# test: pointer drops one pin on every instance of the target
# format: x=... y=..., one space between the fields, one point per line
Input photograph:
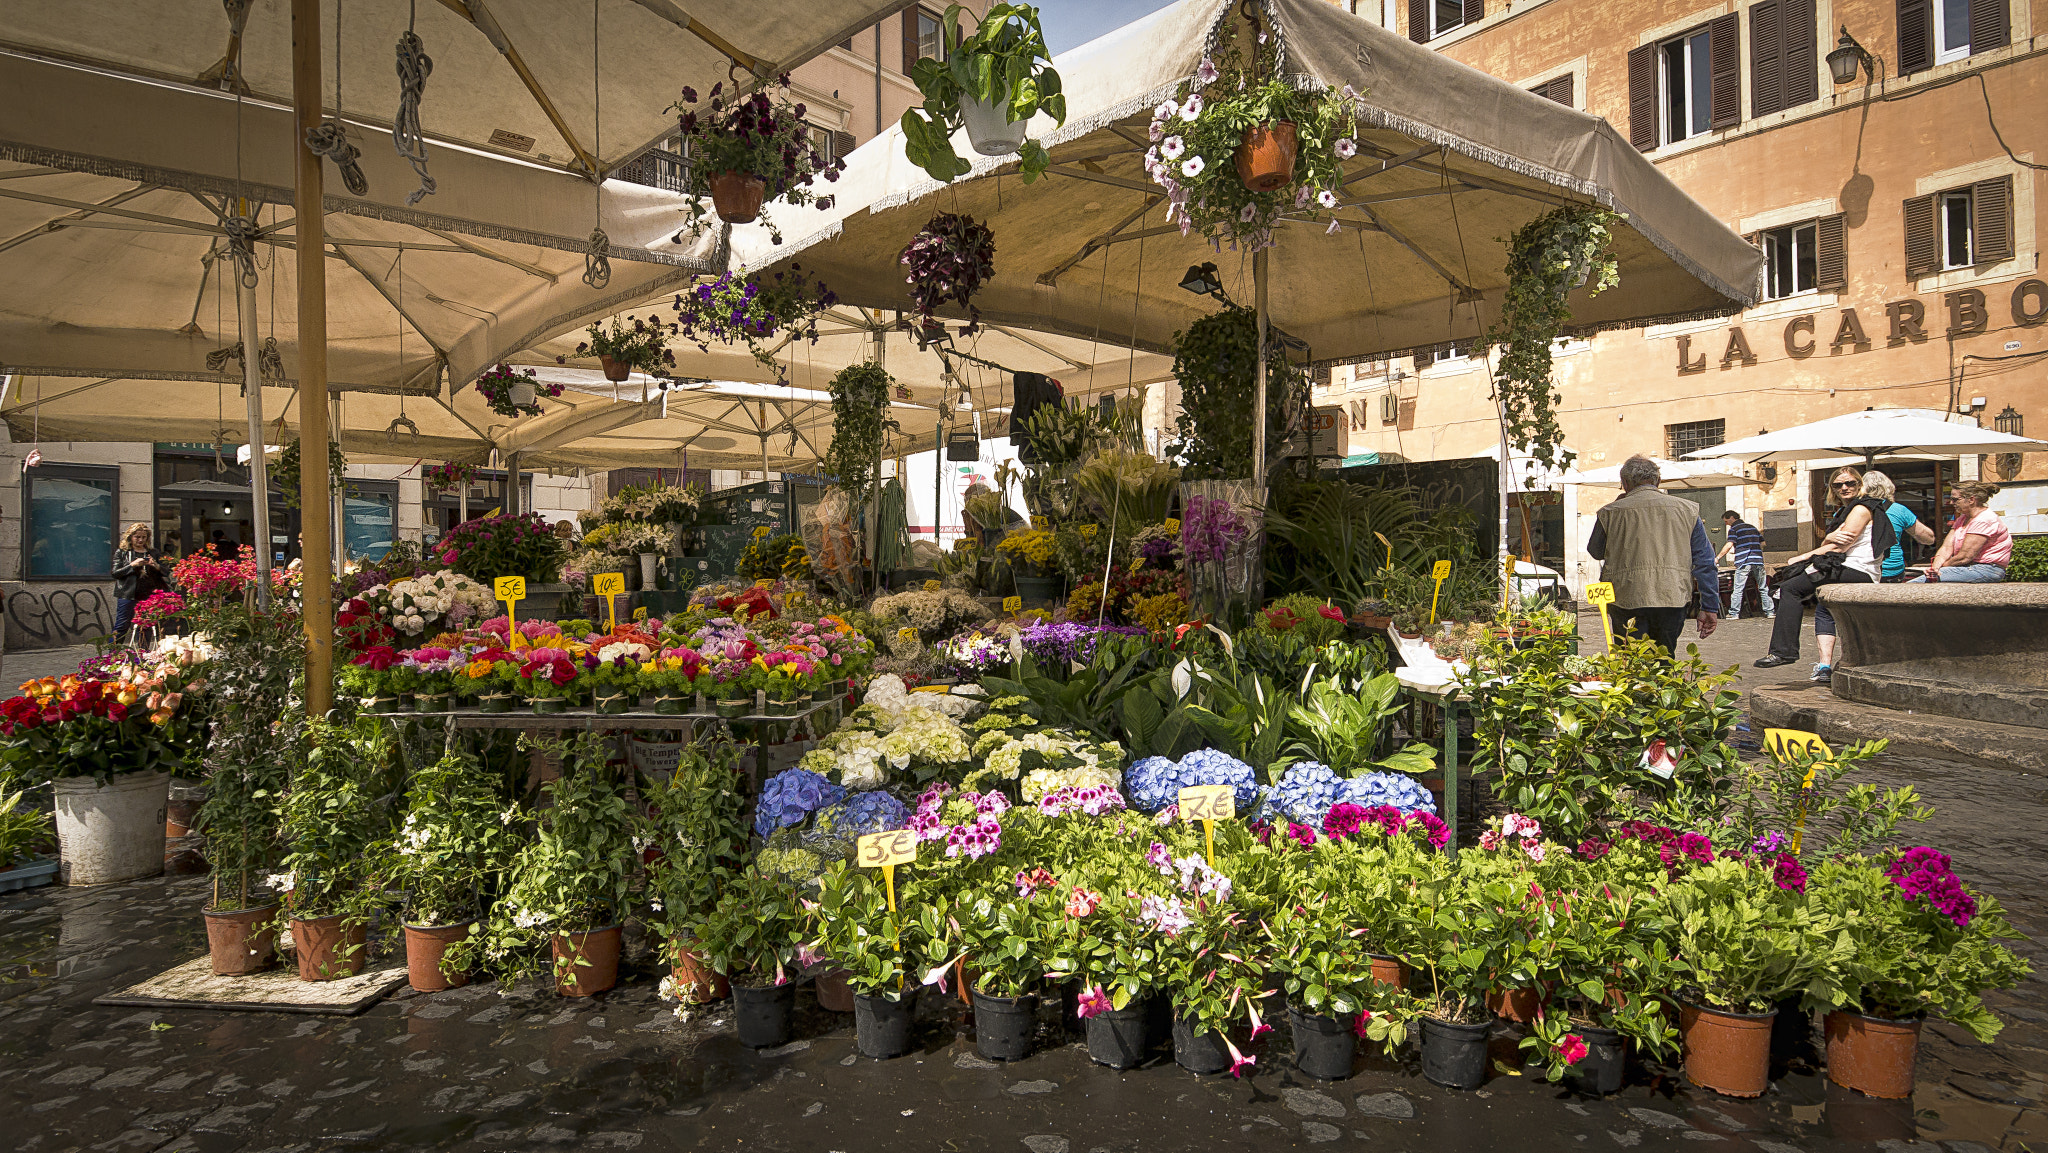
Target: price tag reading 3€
x=1207 y=803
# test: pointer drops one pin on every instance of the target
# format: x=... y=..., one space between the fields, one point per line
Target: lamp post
x=1848 y=58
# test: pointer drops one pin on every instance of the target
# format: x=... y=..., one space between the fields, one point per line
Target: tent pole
x=317 y=592
x=259 y=479
x=511 y=505
x=1259 y=376
x=1507 y=476
x=938 y=475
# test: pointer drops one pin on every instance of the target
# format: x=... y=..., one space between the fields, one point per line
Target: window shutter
x=1642 y=97
x=842 y=145
x=1916 y=36
x=1418 y=21
x=1991 y=215
x=1558 y=89
x=1921 y=255
x=1475 y=11
x=1830 y=262
x=909 y=39
x=1766 y=60
x=1990 y=24
x=1724 y=60
x=1799 y=33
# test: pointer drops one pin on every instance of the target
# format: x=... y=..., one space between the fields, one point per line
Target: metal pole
x=763 y=407
x=317 y=591
x=511 y=505
x=259 y=479
x=1259 y=374
x=337 y=509
x=938 y=479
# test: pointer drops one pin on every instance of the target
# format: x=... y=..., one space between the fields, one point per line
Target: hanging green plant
x=860 y=415
x=284 y=471
x=991 y=83
x=1215 y=360
x=949 y=260
x=1547 y=258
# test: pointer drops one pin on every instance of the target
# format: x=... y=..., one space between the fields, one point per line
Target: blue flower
x=1306 y=792
x=1216 y=767
x=790 y=796
x=1395 y=789
x=1153 y=783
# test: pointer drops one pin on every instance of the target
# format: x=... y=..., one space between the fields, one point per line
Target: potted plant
x=449 y=475
x=1033 y=553
x=621 y=349
x=23 y=831
x=521 y=544
x=1004 y=934
x=334 y=820
x=762 y=312
x=991 y=83
x=675 y=678
x=882 y=952
x=1738 y=937
x=510 y=392
x=1918 y=945
x=750 y=938
x=949 y=259
x=1458 y=935
x=1603 y=971
x=1547 y=259
x=694 y=819
x=860 y=415
x=615 y=682
x=458 y=838
x=1326 y=972
x=750 y=147
x=1205 y=946
x=434 y=672
x=486 y=679
x=545 y=679
x=284 y=473
x=1112 y=955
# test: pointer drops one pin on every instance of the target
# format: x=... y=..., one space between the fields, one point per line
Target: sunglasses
x=1848 y=484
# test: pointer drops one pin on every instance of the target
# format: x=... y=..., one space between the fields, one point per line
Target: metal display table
x=1446 y=695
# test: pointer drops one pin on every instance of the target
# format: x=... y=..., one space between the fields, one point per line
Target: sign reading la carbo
x=1905 y=322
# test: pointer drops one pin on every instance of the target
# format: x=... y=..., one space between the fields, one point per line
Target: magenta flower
x=1094 y=1002
x=1361 y=1023
x=1573 y=1048
x=1789 y=874
x=1238 y=1061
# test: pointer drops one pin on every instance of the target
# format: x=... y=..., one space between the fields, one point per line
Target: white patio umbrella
x=1686 y=474
x=1870 y=434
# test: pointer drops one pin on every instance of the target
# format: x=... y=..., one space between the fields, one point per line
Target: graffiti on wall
x=47 y=616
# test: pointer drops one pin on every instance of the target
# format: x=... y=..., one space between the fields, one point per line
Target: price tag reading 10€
x=608 y=584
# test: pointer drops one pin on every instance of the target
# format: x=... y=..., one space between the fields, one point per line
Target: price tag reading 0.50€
x=1600 y=593
x=892 y=848
x=1207 y=803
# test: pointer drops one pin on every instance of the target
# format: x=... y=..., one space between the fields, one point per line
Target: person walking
x=1859 y=537
x=1879 y=487
x=138 y=575
x=1655 y=552
x=1978 y=548
x=1746 y=544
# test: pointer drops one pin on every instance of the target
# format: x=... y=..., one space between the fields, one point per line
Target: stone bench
x=1976 y=652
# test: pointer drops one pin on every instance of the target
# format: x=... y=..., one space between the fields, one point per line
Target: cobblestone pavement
x=30 y=664
x=481 y=1069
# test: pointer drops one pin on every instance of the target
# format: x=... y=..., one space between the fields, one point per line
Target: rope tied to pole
x=597 y=264
x=330 y=139
x=414 y=66
x=242 y=232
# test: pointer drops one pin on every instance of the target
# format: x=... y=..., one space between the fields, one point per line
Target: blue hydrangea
x=1374 y=789
x=1216 y=767
x=1152 y=783
x=873 y=812
x=790 y=796
x=1306 y=792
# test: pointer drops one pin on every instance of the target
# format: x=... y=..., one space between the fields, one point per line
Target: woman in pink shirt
x=1979 y=546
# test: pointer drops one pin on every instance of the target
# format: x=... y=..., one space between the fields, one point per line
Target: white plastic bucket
x=989 y=131
x=114 y=832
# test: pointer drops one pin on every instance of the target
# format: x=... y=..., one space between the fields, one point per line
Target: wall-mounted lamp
x=1848 y=58
x=2010 y=422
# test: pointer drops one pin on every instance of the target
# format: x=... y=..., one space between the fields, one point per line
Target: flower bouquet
x=545 y=679
x=674 y=677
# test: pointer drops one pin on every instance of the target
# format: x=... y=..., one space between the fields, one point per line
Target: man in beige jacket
x=1655 y=553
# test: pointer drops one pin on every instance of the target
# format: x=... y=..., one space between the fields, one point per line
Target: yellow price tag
x=1600 y=594
x=607 y=584
x=932 y=689
x=1785 y=744
x=932 y=586
x=1088 y=531
x=509 y=588
x=1040 y=522
x=892 y=848
x=765 y=583
x=906 y=633
x=1437 y=572
x=1013 y=604
x=1208 y=804
x=1440 y=570
x=760 y=531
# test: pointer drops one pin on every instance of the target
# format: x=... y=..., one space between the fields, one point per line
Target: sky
x=1072 y=23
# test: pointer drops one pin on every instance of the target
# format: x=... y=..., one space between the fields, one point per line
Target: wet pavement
x=477 y=1069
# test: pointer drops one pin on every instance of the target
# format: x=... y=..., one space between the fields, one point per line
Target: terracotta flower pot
x=235 y=943
x=1389 y=971
x=425 y=945
x=834 y=994
x=327 y=949
x=587 y=964
x=696 y=983
x=1872 y=1055
x=614 y=369
x=1265 y=160
x=737 y=196
x=1729 y=1053
x=1517 y=1005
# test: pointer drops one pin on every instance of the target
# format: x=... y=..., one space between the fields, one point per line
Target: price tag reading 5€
x=1207 y=803
x=509 y=588
x=893 y=848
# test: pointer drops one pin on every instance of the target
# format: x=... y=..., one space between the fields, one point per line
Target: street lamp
x=1847 y=58
x=1201 y=279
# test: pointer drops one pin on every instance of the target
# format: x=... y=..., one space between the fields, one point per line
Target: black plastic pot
x=1004 y=1026
x=1323 y=1046
x=881 y=1027
x=1198 y=1052
x=1791 y=1033
x=762 y=1013
x=1454 y=1056
x=1605 y=1060
x=1119 y=1037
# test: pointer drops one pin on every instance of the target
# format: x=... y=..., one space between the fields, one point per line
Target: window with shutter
x=1799 y=32
x=910 y=17
x=1418 y=21
x=1990 y=24
x=1922 y=256
x=1558 y=89
x=842 y=145
x=1725 y=58
x=1830 y=254
x=1766 y=60
x=1642 y=97
x=1916 y=36
x=1475 y=11
x=1991 y=221
x=1791 y=260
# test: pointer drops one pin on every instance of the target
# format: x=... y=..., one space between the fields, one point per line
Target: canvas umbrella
x=1686 y=474
x=1870 y=434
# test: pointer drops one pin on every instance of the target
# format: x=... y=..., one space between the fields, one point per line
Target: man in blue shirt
x=1747 y=545
x=1657 y=556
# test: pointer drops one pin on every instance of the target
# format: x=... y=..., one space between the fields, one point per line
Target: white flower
x=505 y=818
x=529 y=919
x=1167 y=110
x=280 y=882
x=1326 y=198
x=1156 y=131
x=1250 y=210
x=1192 y=108
x=1206 y=72
x=1192 y=166
x=1301 y=196
x=1345 y=148
x=1350 y=93
x=1173 y=148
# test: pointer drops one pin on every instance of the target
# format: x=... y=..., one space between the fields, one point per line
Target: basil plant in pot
x=750 y=937
x=459 y=836
x=991 y=83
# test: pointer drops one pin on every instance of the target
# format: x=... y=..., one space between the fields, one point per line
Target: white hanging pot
x=989 y=130
x=522 y=394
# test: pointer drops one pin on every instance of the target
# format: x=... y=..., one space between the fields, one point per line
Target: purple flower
x=1789 y=874
x=977 y=840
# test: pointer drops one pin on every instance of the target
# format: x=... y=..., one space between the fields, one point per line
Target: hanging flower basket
x=615 y=369
x=949 y=260
x=748 y=147
x=627 y=345
x=737 y=196
x=1265 y=161
x=447 y=476
x=514 y=392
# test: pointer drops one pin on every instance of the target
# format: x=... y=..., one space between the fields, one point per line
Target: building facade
x=1900 y=217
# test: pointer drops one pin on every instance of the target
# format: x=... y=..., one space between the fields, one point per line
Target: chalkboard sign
x=1472 y=482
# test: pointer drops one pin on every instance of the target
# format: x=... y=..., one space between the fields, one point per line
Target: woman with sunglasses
x=1859 y=537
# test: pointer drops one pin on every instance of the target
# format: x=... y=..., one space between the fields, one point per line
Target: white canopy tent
x=1871 y=434
x=1686 y=474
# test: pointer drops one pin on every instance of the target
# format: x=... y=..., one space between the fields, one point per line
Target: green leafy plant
x=1805 y=797
x=1738 y=941
x=860 y=415
x=455 y=843
x=256 y=680
x=1006 y=63
x=643 y=345
x=764 y=313
x=23 y=829
x=1547 y=258
x=751 y=934
x=1340 y=727
x=1128 y=489
x=337 y=819
x=694 y=818
x=2029 y=559
x=284 y=471
x=950 y=258
x=1214 y=360
x=520 y=544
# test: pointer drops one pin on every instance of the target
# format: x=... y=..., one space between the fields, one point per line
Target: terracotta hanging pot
x=1265 y=160
x=1872 y=1055
x=737 y=196
x=614 y=369
x=1729 y=1053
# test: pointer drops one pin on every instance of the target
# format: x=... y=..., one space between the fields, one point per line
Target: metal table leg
x=1450 y=717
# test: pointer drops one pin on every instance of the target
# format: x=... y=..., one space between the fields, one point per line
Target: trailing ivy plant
x=1547 y=258
x=1215 y=360
x=284 y=471
x=860 y=415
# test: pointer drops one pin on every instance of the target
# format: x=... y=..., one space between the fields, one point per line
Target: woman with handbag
x=1859 y=537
